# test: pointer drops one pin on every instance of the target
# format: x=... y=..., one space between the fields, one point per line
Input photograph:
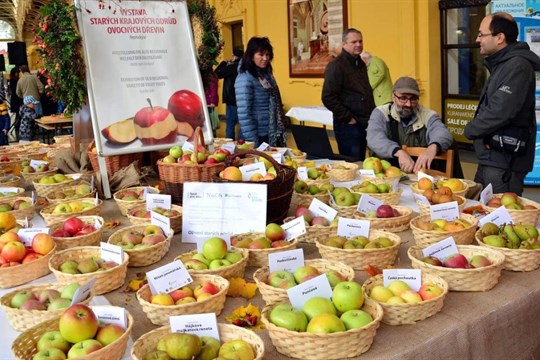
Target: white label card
x=158 y=200
x=395 y=186
x=36 y=163
x=486 y=194
x=278 y=157
x=442 y=249
x=196 y=324
x=498 y=217
x=413 y=277
x=249 y=170
x=318 y=208
x=168 y=277
x=33 y=198
x=368 y=204
x=421 y=198
x=302 y=173
x=369 y=173
x=96 y=200
x=5 y=190
x=83 y=292
x=448 y=211
x=264 y=146
x=230 y=147
x=164 y=222
x=27 y=235
x=187 y=147
x=316 y=287
x=353 y=227
x=145 y=193
x=92 y=183
x=111 y=315
x=111 y=252
x=294 y=228
x=200 y=243
x=424 y=175
x=289 y=260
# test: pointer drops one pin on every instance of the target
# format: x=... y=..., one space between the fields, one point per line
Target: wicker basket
x=279 y=190
x=29 y=178
x=318 y=182
x=159 y=314
x=424 y=208
x=259 y=257
x=35 y=155
x=21 y=274
x=54 y=150
x=393 y=224
x=400 y=314
x=106 y=281
x=148 y=342
x=380 y=179
x=21 y=214
x=50 y=218
x=174 y=175
x=391 y=198
x=479 y=279
x=338 y=345
x=526 y=216
x=176 y=221
x=92 y=239
x=124 y=205
x=22 y=320
x=51 y=198
x=24 y=346
x=233 y=270
x=358 y=259
x=15 y=181
x=347 y=174
x=272 y=294
x=62 y=139
x=144 y=256
x=515 y=259
x=115 y=162
x=424 y=238
x=20 y=192
x=11 y=167
x=313 y=232
x=414 y=188
x=344 y=211
x=45 y=190
x=306 y=199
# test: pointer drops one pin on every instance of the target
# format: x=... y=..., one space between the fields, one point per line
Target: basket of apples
x=81 y=264
x=236 y=343
x=426 y=231
x=11 y=181
x=50 y=184
x=73 y=192
x=77 y=333
x=393 y=218
x=381 y=190
x=343 y=171
x=384 y=171
x=273 y=285
x=316 y=226
x=439 y=196
x=458 y=186
x=20 y=207
x=77 y=231
x=128 y=198
x=304 y=193
x=474 y=268
x=140 y=216
x=28 y=306
x=19 y=263
x=11 y=192
x=518 y=242
x=379 y=249
x=31 y=173
x=340 y=328
x=344 y=201
x=317 y=176
x=216 y=259
x=60 y=212
x=145 y=244
x=10 y=164
x=523 y=211
x=260 y=245
x=206 y=294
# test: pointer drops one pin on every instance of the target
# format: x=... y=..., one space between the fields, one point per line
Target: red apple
x=432 y=260
x=153 y=239
x=61 y=233
x=73 y=225
x=42 y=243
x=155 y=125
x=87 y=229
x=456 y=261
x=274 y=232
x=305 y=212
x=385 y=211
x=78 y=323
x=206 y=287
x=429 y=291
x=107 y=334
x=13 y=251
x=186 y=106
x=31 y=257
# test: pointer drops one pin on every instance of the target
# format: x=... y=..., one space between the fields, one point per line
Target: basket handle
x=197 y=139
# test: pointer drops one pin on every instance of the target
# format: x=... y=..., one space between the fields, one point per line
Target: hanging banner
x=144 y=84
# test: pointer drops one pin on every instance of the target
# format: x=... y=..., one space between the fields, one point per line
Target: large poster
x=145 y=89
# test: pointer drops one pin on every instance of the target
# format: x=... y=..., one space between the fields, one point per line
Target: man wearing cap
x=405 y=122
x=28 y=118
x=228 y=70
x=30 y=85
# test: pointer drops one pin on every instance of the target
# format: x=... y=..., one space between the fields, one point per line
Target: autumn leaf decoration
x=247 y=317
x=240 y=287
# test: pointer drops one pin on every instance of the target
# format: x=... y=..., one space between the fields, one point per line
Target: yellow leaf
x=235 y=286
x=249 y=290
x=112 y=224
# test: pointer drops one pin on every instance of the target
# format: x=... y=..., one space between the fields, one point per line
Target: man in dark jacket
x=228 y=70
x=506 y=110
x=347 y=93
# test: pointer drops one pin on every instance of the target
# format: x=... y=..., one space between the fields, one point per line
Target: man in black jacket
x=504 y=126
x=347 y=93
x=228 y=70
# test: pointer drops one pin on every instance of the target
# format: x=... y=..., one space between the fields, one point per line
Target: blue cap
x=30 y=99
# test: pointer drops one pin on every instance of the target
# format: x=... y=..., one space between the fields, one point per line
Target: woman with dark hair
x=260 y=110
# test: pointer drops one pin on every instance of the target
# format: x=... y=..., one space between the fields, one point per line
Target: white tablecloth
x=316 y=114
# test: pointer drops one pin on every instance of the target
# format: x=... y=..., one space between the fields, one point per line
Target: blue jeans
x=231 y=117
x=351 y=139
x=39 y=110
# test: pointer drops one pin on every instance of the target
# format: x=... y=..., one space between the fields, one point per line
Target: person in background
x=28 y=118
x=379 y=78
x=260 y=110
x=30 y=85
x=210 y=82
x=5 y=122
x=405 y=122
x=15 y=102
x=348 y=95
x=228 y=70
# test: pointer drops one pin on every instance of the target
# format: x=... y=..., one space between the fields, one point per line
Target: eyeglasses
x=481 y=35
x=404 y=99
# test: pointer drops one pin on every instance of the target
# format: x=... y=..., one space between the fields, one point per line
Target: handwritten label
x=448 y=211
x=111 y=315
x=164 y=222
x=302 y=173
x=442 y=249
x=83 y=291
x=316 y=287
x=27 y=235
x=368 y=204
x=294 y=228
x=196 y=324
x=318 y=208
x=353 y=227
x=486 y=194
x=249 y=170
x=168 y=277
x=413 y=277
x=289 y=260
x=158 y=200
x=369 y=173
x=498 y=217
x=111 y=252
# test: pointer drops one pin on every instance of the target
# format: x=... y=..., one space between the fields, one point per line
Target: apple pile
x=233 y=173
x=317 y=173
x=7 y=179
x=320 y=315
x=79 y=191
x=381 y=168
x=86 y=266
x=241 y=144
x=190 y=346
x=44 y=299
x=509 y=200
x=18 y=204
x=301 y=187
x=73 y=227
x=510 y=236
x=452 y=183
x=79 y=335
x=14 y=253
x=384 y=211
x=177 y=155
x=186 y=294
x=133 y=239
x=72 y=207
x=284 y=280
x=441 y=195
x=399 y=292
x=214 y=256
x=344 y=197
x=458 y=261
x=441 y=225
x=367 y=187
x=274 y=237
x=145 y=214
x=358 y=242
x=130 y=195
x=26 y=168
x=310 y=220
x=54 y=179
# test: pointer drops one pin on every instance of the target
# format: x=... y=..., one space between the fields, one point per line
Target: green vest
x=413 y=135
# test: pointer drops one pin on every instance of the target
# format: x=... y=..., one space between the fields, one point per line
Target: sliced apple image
x=184 y=128
x=155 y=125
x=121 y=132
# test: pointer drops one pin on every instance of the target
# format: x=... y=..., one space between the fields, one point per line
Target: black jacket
x=346 y=90
x=228 y=71
x=507 y=102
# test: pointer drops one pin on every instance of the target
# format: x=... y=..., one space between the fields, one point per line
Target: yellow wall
x=404 y=33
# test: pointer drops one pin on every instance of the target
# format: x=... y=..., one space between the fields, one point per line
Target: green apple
x=301 y=187
x=53 y=339
x=219 y=263
x=327 y=187
x=267 y=163
x=333 y=277
x=59 y=303
x=69 y=267
x=49 y=354
x=84 y=348
x=233 y=256
x=345 y=199
x=305 y=273
x=325 y=324
x=313 y=173
x=318 y=305
x=210 y=348
x=58 y=178
x=380 y=293
x=182 y=346
x=286 y=316
x=356 y=319
x=78 y=323
x=214 y=248
x=277 y=278
x=236 y=350
x=62 y=209
x=69 y=290
x=348 y=295
x=20 y=298
x=397 y=287
x=201 y=257
x=156 y=355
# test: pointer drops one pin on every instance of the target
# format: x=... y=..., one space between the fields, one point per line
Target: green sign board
x=457 y=114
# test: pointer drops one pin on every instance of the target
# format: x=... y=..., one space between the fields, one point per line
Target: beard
x=405 y=111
